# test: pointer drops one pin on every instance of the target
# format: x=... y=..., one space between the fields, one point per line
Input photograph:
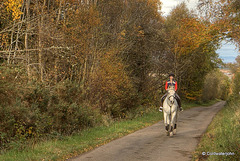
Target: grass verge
x=70 y=146
x=221 y=142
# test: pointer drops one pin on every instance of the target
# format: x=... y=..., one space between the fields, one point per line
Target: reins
x=169 y=100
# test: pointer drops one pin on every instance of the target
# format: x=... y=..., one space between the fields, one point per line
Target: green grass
x=222 y=135
x=188 y=105
x=67 y=147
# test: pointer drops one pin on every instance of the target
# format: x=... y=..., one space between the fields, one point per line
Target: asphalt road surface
x=152 y=143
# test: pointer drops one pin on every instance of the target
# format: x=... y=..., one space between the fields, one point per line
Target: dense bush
x=216 y=85
x=33 y=110
x=69 y=118
x=19 y=122
x=12 y=77
x=236 y=84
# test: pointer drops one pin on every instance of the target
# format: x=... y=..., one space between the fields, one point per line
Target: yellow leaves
x=94 y=17
x=191 y=34
x=140 y=33
x=110 y=77
x=23 y=131
x=153 y=3
x=30 y=130
x=4 y=37
x=137 y=32
x=14 y=6
x=190 y=96
x=123 y=33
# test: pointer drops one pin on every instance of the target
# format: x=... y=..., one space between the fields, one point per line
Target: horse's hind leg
x=166 y=122
x=175 y=126
x=176 y=120
x=171 y=126
x=175 y=129
x=174 y=123
x=171 y=131
x=167 y=129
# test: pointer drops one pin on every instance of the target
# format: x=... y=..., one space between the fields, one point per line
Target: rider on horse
x=171 y=82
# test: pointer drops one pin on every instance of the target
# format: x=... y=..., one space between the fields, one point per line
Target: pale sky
x=169 y=4
x=227 y=52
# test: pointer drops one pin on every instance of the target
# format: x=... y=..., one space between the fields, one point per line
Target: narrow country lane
x=152 y=144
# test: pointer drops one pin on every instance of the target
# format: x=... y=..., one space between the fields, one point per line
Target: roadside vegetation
x=223 y=134
x=64 y=147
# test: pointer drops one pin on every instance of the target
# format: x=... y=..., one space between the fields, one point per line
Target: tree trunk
x=56 y=57
x=40 y=27
x=175 y=62
x=26 y=37
x=84 y=74
x=11 y=44
x=18 y=32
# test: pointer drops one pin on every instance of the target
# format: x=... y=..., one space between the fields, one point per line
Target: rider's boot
x=181 y=109
x=161 y=104
x=160 y=108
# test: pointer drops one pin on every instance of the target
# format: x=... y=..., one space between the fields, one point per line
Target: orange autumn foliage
x=14 y=7
x=110 y=78
x=191 y=35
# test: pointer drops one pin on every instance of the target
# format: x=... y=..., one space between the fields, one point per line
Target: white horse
x=170 y=112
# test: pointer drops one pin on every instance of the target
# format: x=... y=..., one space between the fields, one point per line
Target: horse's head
x=171 y=94
x=171 y=90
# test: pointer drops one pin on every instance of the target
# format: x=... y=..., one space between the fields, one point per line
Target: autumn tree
x=146 y=37
x=235 y=69
x=191 y=50
x=216 y=85
x=225 y=15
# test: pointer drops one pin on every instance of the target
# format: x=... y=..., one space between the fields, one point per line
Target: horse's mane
x=171 y=88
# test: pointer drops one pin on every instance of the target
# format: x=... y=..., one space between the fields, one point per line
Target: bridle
x=172 y=95
x=170 y=101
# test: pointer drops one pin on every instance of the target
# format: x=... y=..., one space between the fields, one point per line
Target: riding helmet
x=171 y=74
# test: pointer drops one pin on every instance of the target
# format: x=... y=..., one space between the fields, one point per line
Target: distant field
x=227 y=72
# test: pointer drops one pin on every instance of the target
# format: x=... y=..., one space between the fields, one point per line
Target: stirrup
x=160 y=108
x=180 y=109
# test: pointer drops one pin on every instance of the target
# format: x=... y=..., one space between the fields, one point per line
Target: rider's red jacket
x=168 y=83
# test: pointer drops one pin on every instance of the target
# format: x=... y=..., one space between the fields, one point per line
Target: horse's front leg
x=166 y=119
x=166 y=122
x=173 y=118
x=174 y=122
